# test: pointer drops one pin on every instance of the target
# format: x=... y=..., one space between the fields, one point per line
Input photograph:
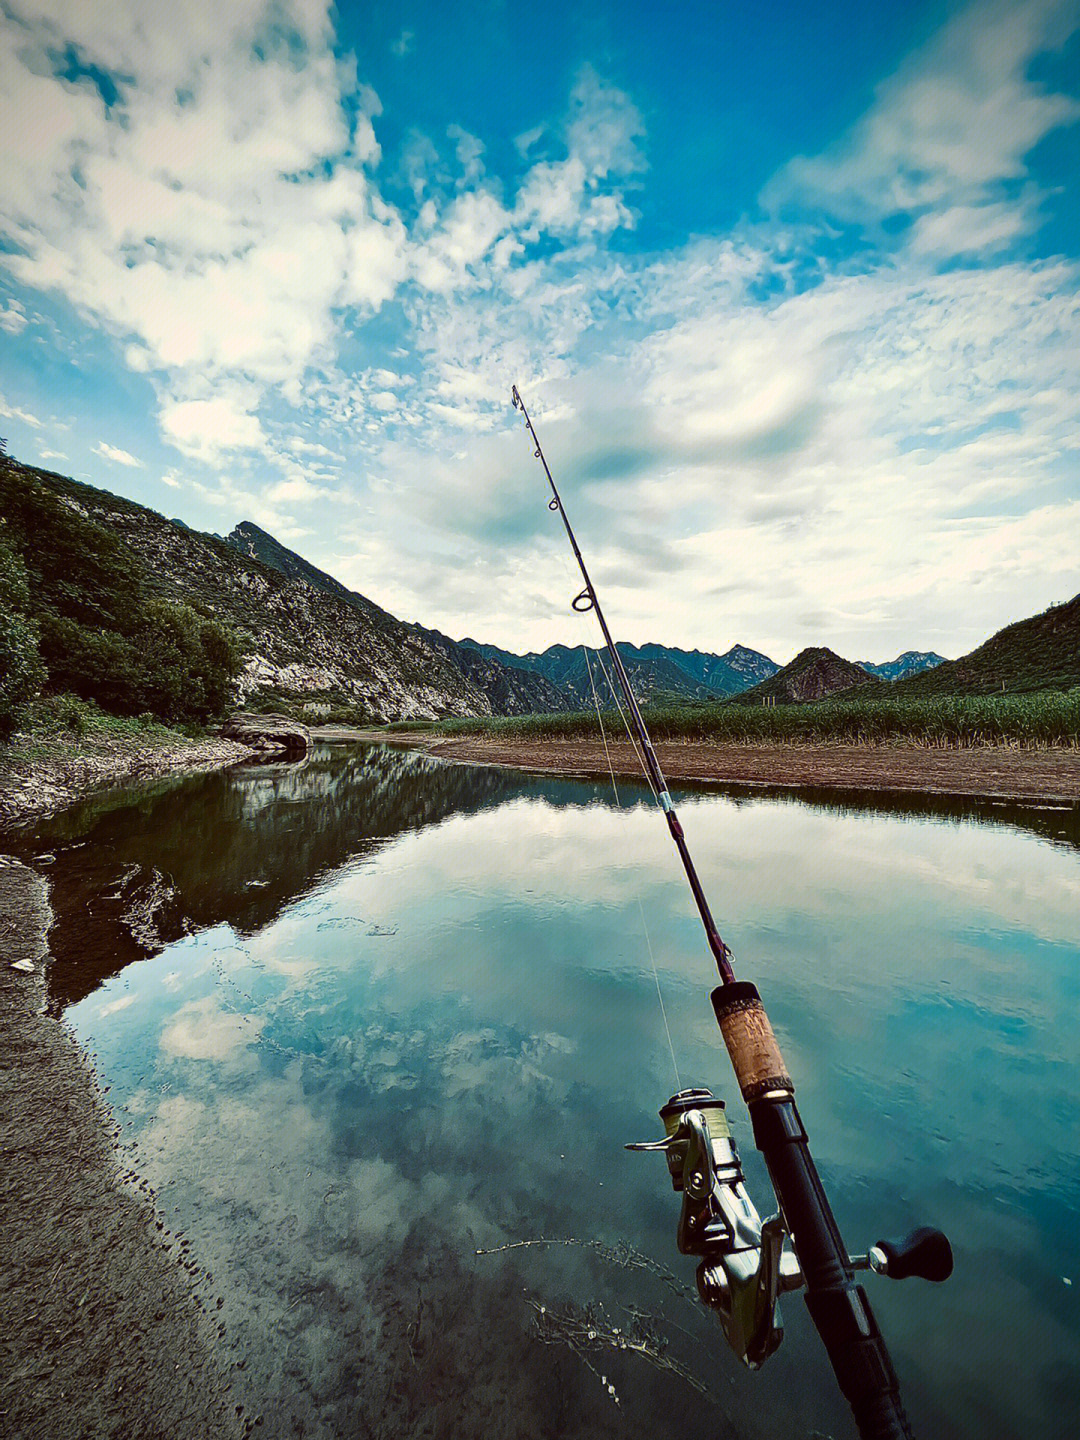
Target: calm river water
x=366 y=1018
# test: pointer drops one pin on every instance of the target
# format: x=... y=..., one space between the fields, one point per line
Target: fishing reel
x=745 y=1267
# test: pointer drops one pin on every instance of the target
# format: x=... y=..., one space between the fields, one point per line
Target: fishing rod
x=744 y=1266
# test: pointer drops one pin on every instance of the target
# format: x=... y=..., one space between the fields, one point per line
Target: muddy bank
x=986 y=772
x=102 y=1332
x=38 y=778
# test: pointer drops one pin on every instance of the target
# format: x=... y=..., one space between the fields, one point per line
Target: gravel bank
x=102 y=1334
x=31 y=788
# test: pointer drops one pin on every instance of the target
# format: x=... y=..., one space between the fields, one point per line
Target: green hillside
x=1040 y=653
x=79 y=615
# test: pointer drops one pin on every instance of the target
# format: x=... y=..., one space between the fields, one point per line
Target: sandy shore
x=988 y=772
x=102 y=1332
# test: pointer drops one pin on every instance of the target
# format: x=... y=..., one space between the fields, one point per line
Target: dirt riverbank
x=102 y=1332
x=988 y=772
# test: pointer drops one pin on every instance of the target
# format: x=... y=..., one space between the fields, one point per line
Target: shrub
x=72 y=713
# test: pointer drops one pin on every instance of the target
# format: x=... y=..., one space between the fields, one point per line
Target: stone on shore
x=269 y=734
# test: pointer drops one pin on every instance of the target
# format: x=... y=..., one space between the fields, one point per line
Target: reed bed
x=1034 y=720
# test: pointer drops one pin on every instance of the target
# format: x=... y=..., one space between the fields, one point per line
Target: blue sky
x=790 y=290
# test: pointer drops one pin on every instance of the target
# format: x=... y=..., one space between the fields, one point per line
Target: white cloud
x=210 y=428
x=604 y=128
x=15 y=412
x=949 y=130
x=219 y=216
x=203 y=1031
x=116 y=456
x=602 y=135
x=467 y=230
x=138 y=359
x=13 y=319
x=468 y=149
x=299 y=446
x=577 y=196
x=196 y=218
x=122 y=1003
x=51 y=455
x=969 y=229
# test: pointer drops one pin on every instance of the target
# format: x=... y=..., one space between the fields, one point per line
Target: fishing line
x=659 y=996
x=600 y=719
x=644 y=923
x=618 y=801
x=626 y=725
x=565 y=562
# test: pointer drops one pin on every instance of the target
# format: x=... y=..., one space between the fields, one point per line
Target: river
x=364 y=1018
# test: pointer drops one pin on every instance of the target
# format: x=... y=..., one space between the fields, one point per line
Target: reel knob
x=925 y=1252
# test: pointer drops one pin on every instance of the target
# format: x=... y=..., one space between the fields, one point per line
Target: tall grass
x=1040 y=718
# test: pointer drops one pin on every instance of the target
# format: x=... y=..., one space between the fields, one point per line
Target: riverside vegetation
x=1042 y=718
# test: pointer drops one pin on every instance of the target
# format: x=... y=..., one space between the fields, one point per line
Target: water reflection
x=397 y=1011
x=234 y=847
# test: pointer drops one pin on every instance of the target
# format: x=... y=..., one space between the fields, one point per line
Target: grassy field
x=1042 y=718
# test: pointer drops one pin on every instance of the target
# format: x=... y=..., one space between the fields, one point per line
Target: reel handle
x=925 y=1252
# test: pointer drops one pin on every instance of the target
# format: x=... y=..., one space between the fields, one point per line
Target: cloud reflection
x=341 y=1119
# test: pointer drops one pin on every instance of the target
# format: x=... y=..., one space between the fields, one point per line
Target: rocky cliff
x=302 y=643
x=509 y=690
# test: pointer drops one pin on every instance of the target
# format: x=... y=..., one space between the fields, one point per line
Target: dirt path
x=102 y=1333
x=991 y=772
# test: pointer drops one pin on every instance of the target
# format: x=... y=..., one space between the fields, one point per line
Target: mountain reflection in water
x=235 y=846
x=390 y=1012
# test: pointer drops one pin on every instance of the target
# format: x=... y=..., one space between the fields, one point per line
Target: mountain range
x=653 y=670
x=911 y=662
x=309 y=640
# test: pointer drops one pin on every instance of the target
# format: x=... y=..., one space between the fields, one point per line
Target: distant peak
x=248 y=527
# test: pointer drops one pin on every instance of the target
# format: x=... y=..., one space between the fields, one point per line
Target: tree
x=21 y=670
x=99 y=630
